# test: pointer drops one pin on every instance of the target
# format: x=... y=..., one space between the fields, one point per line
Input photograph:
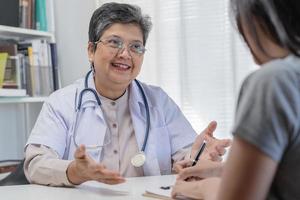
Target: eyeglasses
x=117 y=44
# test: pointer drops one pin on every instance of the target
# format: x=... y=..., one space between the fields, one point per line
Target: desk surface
x=132 y=189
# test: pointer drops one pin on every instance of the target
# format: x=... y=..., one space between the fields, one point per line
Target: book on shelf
x=41 y=15
x=30 y=65
x=54 y=64
x=12 y=73
x=50 y=16
x=9 y=13
x=3 y=60
x=30 y=14
x=12 y=78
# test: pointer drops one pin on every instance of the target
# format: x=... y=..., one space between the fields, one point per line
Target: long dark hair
x=279 y=19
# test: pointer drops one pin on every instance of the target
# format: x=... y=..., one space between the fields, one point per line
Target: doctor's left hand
x=215 y=148
x=84 y=168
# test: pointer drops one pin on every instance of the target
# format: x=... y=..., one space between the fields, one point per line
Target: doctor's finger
x=112 y=181
x=80 y=152
x=108 y=174
x=225 y=143
x=210 y=128
x=214 y=156
x=220 y=150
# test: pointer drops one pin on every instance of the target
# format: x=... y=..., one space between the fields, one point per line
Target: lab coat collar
x=136 y=94
x=88 y=99
x=136 y=102
x=138 y=113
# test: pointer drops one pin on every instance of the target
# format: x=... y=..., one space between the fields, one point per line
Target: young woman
x=264 y=159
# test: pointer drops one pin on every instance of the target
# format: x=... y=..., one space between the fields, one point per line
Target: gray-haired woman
x=117 y=127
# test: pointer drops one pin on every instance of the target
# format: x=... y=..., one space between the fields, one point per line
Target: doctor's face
x=118 y=56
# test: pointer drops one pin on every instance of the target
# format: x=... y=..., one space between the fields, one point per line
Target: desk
x=132 y=189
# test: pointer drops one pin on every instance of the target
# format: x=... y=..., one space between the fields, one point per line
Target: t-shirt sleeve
x=267 y=110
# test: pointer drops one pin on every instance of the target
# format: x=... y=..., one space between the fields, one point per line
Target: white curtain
x=196 y=56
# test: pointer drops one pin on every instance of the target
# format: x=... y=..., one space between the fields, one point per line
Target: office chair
x=16 y=177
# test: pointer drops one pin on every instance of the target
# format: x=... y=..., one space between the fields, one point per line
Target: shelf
x=17 y=33
x=22 y=99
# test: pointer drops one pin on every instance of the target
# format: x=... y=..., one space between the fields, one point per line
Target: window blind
x=196 y=56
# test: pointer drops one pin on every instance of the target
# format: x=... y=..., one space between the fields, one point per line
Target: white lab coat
x=169 y=129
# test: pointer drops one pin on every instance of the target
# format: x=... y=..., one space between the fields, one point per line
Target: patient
x=264 y=159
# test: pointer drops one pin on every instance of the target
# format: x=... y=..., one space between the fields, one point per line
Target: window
x=196 y=56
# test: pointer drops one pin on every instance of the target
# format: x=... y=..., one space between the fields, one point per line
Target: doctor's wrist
x=73 y=175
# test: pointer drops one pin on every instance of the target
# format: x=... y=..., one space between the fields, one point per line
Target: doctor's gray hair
x=279 y=19
x=111 y=13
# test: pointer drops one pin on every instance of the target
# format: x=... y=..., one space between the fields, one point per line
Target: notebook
x=159 y=193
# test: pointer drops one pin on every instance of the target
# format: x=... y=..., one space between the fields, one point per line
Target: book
x=41 y=15
x=9 y=12
x=158 y=193
x=24 y=13
x=50 y=16
x=12 y=73
x=9 y=47
x=163 y=192
x=3 y=60
x=54 y=64
x=26 y=63
x=12 y=93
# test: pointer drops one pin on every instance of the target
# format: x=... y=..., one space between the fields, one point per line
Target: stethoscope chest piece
x=139 y=159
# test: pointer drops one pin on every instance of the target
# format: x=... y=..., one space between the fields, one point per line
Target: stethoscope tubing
x=87 y=89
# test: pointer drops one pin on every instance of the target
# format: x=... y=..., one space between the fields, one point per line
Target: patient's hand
x=205 y=189
x=203 y=169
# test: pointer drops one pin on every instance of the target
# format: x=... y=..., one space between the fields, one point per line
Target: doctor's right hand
x=84 y=168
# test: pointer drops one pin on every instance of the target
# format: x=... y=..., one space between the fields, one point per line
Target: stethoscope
x=138 y=159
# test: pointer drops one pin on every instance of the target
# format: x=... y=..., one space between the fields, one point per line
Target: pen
x=199 y=153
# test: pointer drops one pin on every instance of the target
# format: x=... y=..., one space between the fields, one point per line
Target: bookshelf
x=9 y=32
x=18 y=114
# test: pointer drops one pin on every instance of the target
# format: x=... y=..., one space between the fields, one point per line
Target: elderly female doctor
x=108 y=125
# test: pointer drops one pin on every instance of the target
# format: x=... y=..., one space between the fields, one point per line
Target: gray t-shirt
x=268 y=117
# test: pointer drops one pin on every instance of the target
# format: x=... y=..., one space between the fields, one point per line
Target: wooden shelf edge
x=22 y=99
x=13 y=32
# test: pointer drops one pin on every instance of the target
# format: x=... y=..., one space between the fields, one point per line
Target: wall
x=71 y=22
